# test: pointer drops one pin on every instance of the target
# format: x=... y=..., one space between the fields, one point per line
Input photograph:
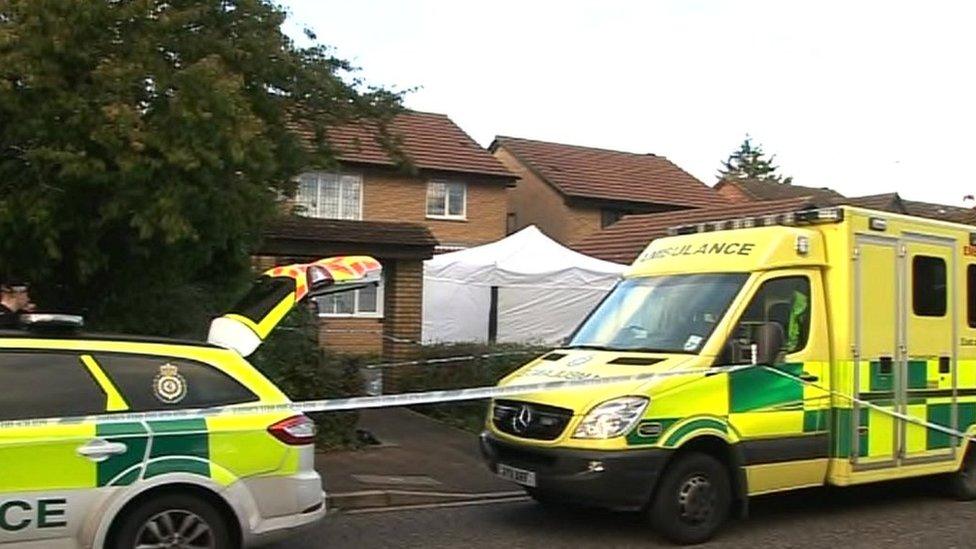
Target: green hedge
x=478 y=372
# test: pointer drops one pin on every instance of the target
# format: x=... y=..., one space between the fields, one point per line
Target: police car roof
x=101 y=336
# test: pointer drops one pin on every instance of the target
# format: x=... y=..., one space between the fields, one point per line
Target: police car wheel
x=962 y=483
x=693 y=499
x=173 y=521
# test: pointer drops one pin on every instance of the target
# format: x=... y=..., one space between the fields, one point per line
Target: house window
x=609 y=217
x=364 y=302
x=929 y=288
x=447 y=200
x=330 y=195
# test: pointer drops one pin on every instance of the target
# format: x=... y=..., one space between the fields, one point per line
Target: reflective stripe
x=115 y=403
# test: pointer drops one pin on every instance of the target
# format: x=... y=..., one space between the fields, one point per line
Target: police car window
x=785 y=301
x=158 y=383
x=40 y=385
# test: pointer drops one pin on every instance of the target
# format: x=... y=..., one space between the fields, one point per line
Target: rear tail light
x=294 y=431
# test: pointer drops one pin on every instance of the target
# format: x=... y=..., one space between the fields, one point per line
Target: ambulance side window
x=784 y=301
x=43 y=385
x=150 y=383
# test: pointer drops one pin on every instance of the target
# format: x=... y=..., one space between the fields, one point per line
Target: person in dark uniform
x=14 y=300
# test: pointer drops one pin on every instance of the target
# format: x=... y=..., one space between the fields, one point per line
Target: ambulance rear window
x=971 y=294
x=150 y=383
x=929 y=290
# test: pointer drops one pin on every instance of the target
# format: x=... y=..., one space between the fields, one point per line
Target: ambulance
x=195 y=470
x=832 y=346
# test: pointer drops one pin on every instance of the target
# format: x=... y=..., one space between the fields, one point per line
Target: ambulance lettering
x=715 y=248
x=16 y=514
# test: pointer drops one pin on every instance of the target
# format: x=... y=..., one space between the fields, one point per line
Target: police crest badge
x=168 y=385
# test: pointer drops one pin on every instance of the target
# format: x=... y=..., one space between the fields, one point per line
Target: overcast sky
x=863 y=97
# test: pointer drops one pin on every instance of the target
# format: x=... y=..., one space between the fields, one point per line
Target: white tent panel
x=544 y=290
x=520 y=321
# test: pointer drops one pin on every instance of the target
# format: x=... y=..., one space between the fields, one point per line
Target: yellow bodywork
x=789 y=434
x=224 y=448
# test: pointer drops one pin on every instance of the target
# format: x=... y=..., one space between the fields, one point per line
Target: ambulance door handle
x=100 y=449
x=809 y=378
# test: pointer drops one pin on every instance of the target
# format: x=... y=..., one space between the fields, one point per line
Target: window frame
x=70 y=356
x=178 y=405
x=971 y=295
x=378 y=313
x=339 y=178
x=810 y=305
x=463 y=216
x=915 y=288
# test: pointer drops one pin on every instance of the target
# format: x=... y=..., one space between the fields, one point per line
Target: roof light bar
x=801 y=217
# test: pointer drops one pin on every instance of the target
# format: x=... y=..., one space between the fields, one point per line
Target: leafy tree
x=750 y=162
x=145 y=143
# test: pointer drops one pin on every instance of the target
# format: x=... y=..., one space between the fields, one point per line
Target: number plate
x=514 y=474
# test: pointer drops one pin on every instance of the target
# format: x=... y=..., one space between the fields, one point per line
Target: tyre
x=173 y=520
x=692 y=500
x=962 y=483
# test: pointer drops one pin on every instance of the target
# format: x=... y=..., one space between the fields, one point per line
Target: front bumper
x=621 y=480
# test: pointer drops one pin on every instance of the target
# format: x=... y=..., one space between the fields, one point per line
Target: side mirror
x=769 y=343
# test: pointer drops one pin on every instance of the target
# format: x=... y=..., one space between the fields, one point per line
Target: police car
x=75 y=473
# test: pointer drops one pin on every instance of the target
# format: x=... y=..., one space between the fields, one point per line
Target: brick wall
x=535 y=202
x=391 y=197
x=402 y=308
x=351 y=335
x=733 y=193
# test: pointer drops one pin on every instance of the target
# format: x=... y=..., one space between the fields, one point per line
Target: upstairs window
x=929 y=286
x=330 y=195
x=447 y=200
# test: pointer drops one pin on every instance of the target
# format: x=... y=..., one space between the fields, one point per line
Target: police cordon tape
x=430 y=397
x=362 y=403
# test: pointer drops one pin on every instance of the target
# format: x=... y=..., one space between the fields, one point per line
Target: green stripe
x=177 y=465
x=814 y=421
x=757 y=388
x=694 y=425
x=184 y=437
x=133 y=456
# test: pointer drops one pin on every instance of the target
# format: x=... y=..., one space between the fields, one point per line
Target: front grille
x=530 y=420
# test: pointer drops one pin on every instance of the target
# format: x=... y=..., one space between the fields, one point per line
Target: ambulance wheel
x=692 y=500
x=173 y=520
x=962 y=483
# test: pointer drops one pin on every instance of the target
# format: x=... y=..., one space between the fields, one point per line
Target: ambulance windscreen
x=667 y=314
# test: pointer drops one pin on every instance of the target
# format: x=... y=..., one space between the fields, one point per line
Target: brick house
x=570 y=192
x=750 y=190
x=454 y=197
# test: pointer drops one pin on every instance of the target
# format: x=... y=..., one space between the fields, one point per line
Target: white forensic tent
x=541 y=291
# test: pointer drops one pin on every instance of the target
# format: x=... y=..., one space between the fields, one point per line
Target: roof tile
x=623 y=241
x=431 y=141
x=609 y=175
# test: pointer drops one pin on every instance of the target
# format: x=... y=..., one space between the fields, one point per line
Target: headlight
x=612 y=418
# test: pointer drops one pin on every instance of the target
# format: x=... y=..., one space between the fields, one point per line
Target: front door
x=928 y=388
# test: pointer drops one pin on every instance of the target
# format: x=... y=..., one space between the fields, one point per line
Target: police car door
x=48 y=471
